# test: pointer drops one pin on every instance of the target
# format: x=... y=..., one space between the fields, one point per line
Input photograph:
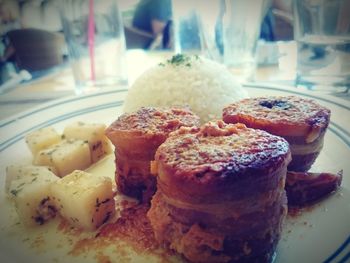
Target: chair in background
x=283 y=27
x=37 y=49
x=136 y=38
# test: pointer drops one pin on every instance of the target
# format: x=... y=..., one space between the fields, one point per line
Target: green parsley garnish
x=180 y=59
x=15 y=191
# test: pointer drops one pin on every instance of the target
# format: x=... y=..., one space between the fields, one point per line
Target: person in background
x=153 y=16
x=41 y=14
x=9 y=15
x=9 y=20
x=276 y=25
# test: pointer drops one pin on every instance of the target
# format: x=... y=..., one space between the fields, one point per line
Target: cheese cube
x=94 y=134
x=14 y=172
x=32 y=197
x=66 y=156
x=41 y=139
x=86 y=201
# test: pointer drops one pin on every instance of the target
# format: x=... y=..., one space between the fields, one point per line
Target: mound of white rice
x=202 y=84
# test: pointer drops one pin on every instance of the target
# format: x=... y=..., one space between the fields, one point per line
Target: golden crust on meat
x=136 y=137
x=282 y=115
x=154 y=120
x=218 y=147
x=215 y=157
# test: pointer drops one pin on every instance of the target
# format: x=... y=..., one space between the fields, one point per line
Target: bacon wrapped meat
x=136 y=137
x=220 y=193
x=302 y=122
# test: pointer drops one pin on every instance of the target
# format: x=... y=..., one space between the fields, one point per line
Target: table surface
x=60 y=82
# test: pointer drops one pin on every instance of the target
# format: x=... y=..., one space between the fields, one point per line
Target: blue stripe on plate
x=344 y=138
x=345 y=259
x=256 y=86
x=20 y=136
x=338 y=251
x=340 y=128
x=78 y=98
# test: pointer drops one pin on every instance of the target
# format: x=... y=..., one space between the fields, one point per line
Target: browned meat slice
x=220 y=193
x=307 y=188
x=302 y=122
x=136 y=137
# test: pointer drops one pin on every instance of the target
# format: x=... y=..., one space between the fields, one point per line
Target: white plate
x=321 y=234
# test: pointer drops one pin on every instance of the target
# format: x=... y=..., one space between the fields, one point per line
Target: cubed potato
x=32 y=197
x=66 y=156
x=86 y=201
x=42 y=139
x=14 y=172
x=94 y=134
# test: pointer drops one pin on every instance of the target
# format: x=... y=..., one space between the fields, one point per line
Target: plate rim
x=340 y=132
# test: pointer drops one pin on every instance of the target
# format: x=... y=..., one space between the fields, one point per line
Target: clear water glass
x=226 y=31
x=322 y=32
x=95 y=40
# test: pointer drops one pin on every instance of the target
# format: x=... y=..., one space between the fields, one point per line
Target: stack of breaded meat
x=220 y=193
x=302 y=122
x=136 y=137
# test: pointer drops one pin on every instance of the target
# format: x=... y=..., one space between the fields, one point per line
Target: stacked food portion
x=136 y=137
x=220 y=193
x=302 y=122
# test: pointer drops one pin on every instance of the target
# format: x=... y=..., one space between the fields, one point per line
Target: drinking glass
x=226 y=31
x=322 y=32
x=187 y=33
x=95 y=39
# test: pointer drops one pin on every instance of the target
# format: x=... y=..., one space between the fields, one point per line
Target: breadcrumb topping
x=155 y=120
x=217 y=146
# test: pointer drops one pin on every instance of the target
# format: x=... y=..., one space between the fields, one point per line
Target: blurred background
x=32 y=36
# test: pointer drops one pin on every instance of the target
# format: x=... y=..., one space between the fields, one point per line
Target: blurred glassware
x=223 y=30
x=95 y=39
x=187 y=33
x=322 y=32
